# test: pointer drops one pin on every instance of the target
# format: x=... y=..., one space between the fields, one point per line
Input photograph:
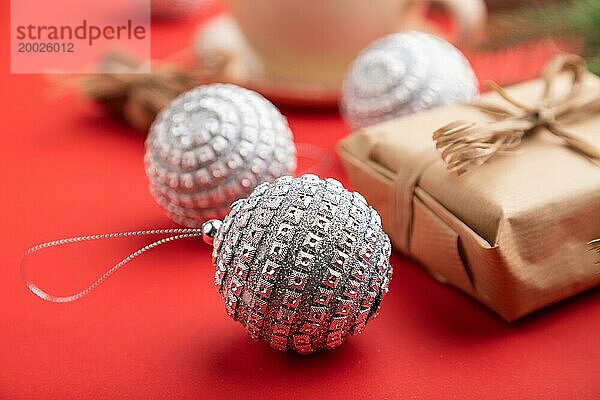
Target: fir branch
x=563 y=20
x=527 y=24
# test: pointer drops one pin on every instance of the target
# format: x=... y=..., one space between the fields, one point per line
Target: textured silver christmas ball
x=213 y=145
x=404 y=73
x=302 y=263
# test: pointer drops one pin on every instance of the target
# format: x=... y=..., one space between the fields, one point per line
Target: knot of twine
x=126 y=91
x=464 y=144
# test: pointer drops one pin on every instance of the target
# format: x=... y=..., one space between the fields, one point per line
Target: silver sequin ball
x=405 y=73
x=213 y=145
x=302 y=263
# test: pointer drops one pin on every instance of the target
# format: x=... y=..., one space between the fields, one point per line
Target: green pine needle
x=585 y=21
x=566 y=19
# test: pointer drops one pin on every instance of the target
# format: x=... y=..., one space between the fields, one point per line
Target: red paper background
x=158 y=329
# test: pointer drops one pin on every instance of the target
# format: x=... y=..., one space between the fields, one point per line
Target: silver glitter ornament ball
x=302 y=263
x=214 y=145
x=405 y=73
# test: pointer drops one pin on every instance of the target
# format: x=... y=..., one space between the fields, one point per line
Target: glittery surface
x=404 y=73
x=213 y=145
x=302 y=263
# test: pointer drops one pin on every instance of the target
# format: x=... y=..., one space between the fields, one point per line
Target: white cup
x=313 y=41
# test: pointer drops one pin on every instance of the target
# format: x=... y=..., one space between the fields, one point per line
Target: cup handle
x=470 y=17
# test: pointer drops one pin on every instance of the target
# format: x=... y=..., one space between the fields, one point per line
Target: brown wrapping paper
x=512 y=232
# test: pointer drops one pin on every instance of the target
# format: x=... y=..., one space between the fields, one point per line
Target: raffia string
x=138 y=97
x=464 y=144
x=595 y=246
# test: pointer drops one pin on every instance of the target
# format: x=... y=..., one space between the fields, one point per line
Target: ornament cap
x=210 y=229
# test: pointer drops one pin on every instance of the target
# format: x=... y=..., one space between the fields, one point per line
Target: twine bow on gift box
x=464 y=144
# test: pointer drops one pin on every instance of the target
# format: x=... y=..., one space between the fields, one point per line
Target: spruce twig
x=572 y=19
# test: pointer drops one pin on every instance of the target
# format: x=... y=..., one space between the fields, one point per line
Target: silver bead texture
x=302 y=263
x=213 y=145
x=405 y=73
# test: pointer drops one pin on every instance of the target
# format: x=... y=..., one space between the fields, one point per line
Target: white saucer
x=222 y=35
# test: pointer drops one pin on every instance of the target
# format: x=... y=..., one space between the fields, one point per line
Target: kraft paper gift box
x=512 y=232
